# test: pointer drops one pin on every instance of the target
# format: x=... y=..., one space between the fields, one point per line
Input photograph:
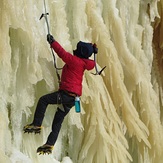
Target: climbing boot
x=45 y=149
x=30 y=128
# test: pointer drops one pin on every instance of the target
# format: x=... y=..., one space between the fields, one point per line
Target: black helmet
x=84 y=50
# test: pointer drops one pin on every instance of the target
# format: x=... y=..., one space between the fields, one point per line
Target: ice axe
x=97 y=71
x=46 y=19
x=95 y=50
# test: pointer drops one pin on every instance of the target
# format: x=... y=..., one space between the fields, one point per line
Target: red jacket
x=73 y=70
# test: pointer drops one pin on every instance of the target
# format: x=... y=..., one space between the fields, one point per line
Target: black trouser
x=59 y=97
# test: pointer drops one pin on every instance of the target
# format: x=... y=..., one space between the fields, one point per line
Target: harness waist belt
x=70 y=93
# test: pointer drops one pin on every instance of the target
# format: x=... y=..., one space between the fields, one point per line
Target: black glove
x=50 y=38
x=95 y=49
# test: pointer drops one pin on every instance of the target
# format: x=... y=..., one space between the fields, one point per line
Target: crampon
x=30 y=128
x=45 y=149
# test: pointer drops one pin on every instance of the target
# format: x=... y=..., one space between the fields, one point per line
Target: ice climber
x=70 y=87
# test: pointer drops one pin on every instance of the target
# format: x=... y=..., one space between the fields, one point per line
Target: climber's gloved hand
x=95 y=49
x=50 y=38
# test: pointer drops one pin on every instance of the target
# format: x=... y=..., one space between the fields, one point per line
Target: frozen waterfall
x=122 y=118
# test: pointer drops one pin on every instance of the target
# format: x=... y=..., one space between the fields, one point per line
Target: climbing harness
x=48 y=28
x=97 y=72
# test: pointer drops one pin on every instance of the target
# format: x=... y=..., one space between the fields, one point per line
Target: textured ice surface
x=121 y=109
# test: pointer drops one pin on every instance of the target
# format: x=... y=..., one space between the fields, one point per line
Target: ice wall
x=121 y=118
